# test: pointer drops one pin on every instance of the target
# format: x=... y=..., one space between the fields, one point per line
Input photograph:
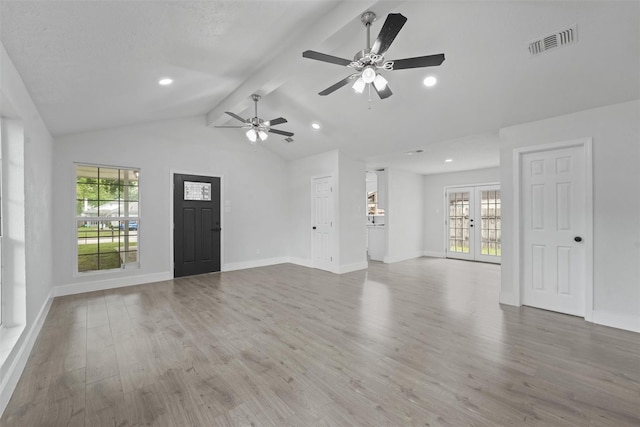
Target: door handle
x=578 y=239
x=314 y=227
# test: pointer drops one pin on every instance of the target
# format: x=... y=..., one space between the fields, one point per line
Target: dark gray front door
x=196 y=232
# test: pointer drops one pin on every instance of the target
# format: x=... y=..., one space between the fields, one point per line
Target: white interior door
x=322 y=222
x=474 y=223
x=553 y=212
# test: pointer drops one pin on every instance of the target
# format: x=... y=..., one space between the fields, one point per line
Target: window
x=107 y=217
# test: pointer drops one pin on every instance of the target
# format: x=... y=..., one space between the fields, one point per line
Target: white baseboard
x=508 y=298
x=433 y=254
x=338 y=269
x=101 y=285
x=615 y=320
x=598 y=317
x=342 y=269
x=391 y=259
x=231 y=266
x=303 y=262
x=18 y=363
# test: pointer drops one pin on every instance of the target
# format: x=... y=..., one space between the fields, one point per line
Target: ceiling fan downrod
x=255 y=98
x=367 y=19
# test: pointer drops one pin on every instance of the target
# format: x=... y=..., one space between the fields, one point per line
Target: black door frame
x=193 y=176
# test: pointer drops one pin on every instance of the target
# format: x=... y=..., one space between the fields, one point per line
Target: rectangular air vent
x=552 y=41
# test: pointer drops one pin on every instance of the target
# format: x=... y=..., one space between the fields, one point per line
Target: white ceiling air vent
x=552 y=41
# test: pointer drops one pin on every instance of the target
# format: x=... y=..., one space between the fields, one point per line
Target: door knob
x=578 y=239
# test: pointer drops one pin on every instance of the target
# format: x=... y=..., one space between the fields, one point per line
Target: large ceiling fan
x=369 y=62
x=258 y=128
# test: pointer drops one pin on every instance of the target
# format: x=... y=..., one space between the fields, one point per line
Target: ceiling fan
x=369 y=62
x=258 y=128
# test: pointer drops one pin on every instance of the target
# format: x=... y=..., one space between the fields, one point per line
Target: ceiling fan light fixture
x=369 y=74
x=430 y=81
x=380 y=82
x=263 y=135
x=359 y=85
x=252 y=135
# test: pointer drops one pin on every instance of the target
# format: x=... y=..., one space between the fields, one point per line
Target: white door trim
x=586 y=145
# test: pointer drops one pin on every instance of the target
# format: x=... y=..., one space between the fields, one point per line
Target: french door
x=474 y=223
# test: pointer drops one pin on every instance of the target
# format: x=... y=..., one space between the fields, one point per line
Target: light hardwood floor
x=422 y=342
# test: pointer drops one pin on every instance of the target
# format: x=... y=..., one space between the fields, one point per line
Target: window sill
x=8 y=339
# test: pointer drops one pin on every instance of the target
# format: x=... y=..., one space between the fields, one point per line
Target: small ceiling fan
x=369 y=62
x=258 y=128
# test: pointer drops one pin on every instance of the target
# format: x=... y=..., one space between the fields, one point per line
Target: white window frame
x=120 y=219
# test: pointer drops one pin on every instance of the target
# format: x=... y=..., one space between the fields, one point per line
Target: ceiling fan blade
x=392 y=26
x=277 y=121
x=338 y=85
x=311 y=54
x=384 y=92
x=418 y=62
x=281 y=132
x=235 y=116
x=235 y=127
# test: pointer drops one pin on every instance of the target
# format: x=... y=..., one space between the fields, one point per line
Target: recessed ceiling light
x=411 y=153
x=448 y=160
x=165 y=82
x=316 y=126
x=430 y=81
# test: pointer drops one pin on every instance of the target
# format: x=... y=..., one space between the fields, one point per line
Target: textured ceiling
x=95 y=64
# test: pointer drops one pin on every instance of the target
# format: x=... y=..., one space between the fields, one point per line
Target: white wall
x=36 y=250
x=615 y=131
x=434 y=216
x=348 y=247
x=352 y=214
x=253 y=184
x=300 y=174
x=404 y=215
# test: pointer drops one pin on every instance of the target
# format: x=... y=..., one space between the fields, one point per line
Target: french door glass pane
x=459 y=222
x=490 y=223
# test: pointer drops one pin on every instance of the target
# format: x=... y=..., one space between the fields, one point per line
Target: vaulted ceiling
x=95 y=64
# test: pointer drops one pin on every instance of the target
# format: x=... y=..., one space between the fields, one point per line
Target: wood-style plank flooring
x=422 y=342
